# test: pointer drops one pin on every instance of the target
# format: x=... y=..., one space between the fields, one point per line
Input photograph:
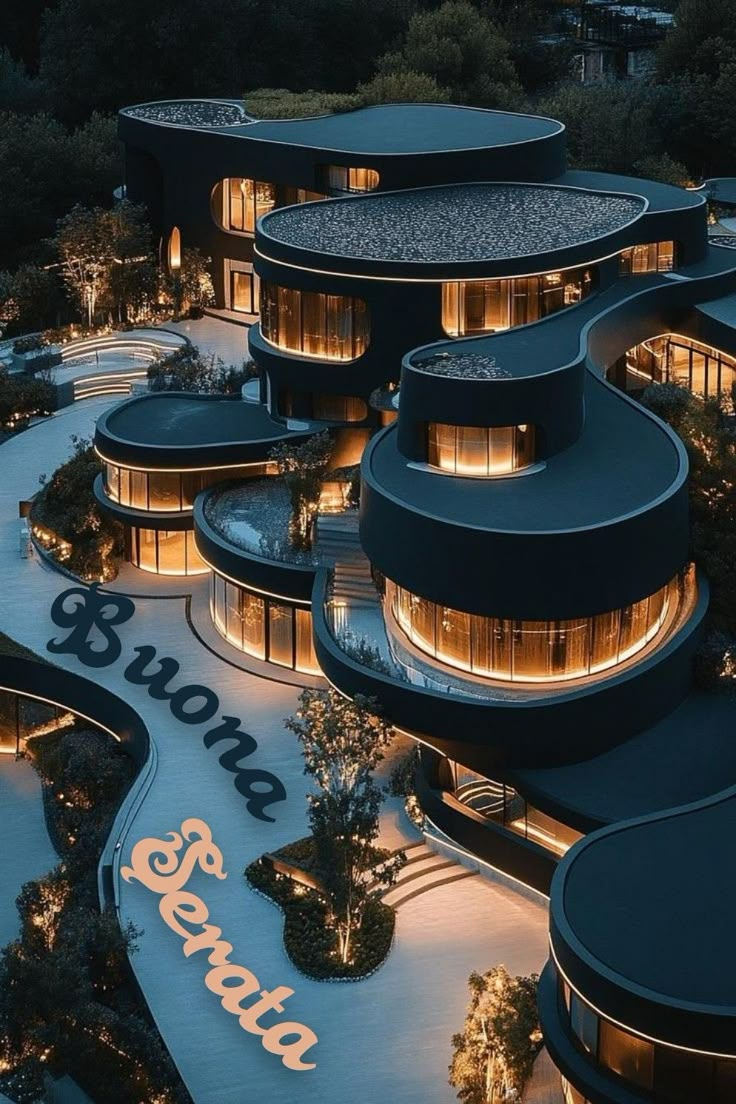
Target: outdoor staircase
x=425 y=870
x=337 y=542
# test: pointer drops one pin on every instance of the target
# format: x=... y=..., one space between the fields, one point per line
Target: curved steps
x=424 y=870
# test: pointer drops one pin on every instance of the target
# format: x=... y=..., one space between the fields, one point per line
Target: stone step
x=424 y=885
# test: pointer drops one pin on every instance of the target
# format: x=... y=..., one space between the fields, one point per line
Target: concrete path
x=214 y=335
x=26 y=853
x=387 y=1038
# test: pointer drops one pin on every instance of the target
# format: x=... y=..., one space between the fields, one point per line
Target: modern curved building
x=472 y=322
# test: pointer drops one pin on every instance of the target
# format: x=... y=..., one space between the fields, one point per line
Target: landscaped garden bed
x=311 y=941
x=70 y=1004
x=68 y=523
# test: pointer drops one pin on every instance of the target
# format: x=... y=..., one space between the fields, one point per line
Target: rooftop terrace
x=472 y=222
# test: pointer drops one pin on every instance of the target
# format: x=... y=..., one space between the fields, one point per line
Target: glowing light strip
x=438 y=279
x=247 y=586
x=483 y=862
x=627 y=1027
x=185 y=471
x=61 y=705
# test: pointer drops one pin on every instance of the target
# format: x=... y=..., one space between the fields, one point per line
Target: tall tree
x=343 y=743
x=494 y=1054
x=462 y=51
x=303 y=467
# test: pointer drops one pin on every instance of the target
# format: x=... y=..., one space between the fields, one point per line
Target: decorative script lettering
x=158 y=865
x=91 y=616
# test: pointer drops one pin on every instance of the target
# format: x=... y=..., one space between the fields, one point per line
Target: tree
x=711 y=447
x=29 y=299
x=701 y=41
x=462 y=51
x=68 y=508
x=303 y=467
x=188 y=369
x=343 y=742
x=92 y=244
x=190 y=286
x=494 y=1054
x=44 y=171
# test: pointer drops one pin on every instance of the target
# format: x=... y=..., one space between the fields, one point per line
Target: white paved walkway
x=26 y=852
x=387 y=1038
x=214 y=335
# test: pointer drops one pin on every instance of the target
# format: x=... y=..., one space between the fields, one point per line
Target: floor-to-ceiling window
x=169 y=491
x=164 y=552
x=341 y=178
x=673 y=358
x=263 y=626
x=535 y=651
x=331 y=327
x=652 y=257
x=238 y=202
x=485 y=306
x=480 y=450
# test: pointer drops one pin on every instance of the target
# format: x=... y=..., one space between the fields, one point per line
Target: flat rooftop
x=468 y=222
x=382 y=129
x=407 y=128
x=186 y=420
x=655 y=901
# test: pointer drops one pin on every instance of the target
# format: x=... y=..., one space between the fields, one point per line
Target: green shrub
x=69 y=522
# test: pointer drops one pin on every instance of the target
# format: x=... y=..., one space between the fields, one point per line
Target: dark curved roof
x=654 y=901
x=407 y=128
x=471 y=222
x=587 y=485
x=687 y=756
x=184 y=420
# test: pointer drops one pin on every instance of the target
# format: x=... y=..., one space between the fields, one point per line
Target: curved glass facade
x=534 y=651
x=164 y=552
x=672 y=358
x=670 y=1075
x=652 y=257
x=262 y=626
x=331 y=327
x=168 y=491
x=480 y=450
x=484 y=306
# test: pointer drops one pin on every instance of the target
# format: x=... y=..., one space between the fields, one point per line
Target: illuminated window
x=340 y=178
x=244 y=292
x=653 y=257
x=485 y=306
x=629 y=1056
x=238 y=202
x=263 y=627
x=535 y=651
x=165 y=552
x=331 y=327
x=480 y=450
x=166 y=491
x=673 y=358
x=174 y=254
